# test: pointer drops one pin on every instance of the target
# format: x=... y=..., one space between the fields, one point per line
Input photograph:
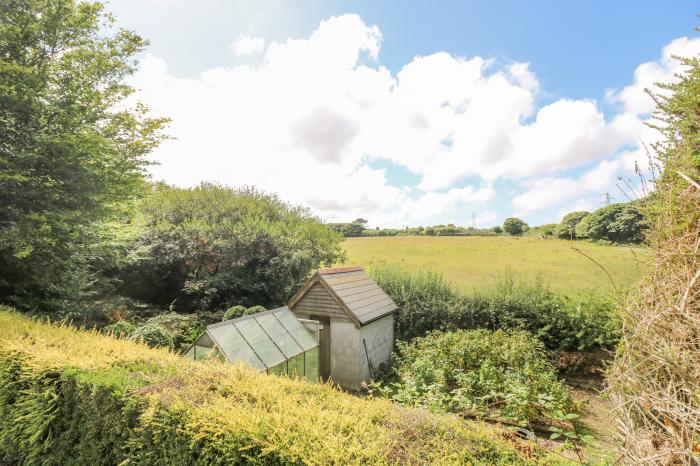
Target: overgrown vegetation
x=72 y=155
x=212 y=247
x=616 y=223
x=498 y=375
x=655 y=381
x=74 y=397
x=427 y=302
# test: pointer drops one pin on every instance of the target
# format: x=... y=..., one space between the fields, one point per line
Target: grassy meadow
x=470 y=261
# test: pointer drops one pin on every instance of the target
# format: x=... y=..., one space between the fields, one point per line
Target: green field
x=472 y=261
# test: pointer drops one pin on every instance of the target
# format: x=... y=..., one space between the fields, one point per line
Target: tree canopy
x=212 y=247
x=72 y=153
x=567 y=227
x=514 y=226
x=617 y=223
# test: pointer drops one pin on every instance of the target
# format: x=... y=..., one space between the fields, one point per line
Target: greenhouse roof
x=263 y=340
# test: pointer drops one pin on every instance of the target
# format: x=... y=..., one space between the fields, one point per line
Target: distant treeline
x=617 y=223
x=354 y=229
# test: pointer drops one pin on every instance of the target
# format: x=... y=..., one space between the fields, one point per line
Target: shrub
x=154 y=336
x=234 y=312
x=424 y=298
x=617 y=223
x=480 y=373
x=514 y=226
x=427 y=302
x=567 y=227
x=74 y=397
x=121 y=329
x=239 y=311
x=211 y=247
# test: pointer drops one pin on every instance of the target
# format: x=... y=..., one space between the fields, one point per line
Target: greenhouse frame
x=273 y=341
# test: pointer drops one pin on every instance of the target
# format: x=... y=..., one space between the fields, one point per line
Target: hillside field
x=470 y=261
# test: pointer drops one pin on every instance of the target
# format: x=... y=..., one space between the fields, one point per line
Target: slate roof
x=354 y=291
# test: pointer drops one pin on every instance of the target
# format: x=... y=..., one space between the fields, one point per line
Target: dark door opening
x=324 y=357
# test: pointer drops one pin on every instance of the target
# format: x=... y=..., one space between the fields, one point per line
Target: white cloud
x=308 y=120
x=247 y=45
x=633 y=97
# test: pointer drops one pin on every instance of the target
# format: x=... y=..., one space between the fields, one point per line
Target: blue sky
x=408 y=113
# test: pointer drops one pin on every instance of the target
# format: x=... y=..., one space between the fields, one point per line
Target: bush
x=480 y=373
x=74 y=397
x=234 y=312
x=617 y=223
x=427 y=302
x=154 y=336
x=514 y=226
x=239 y=311
x=211 y=247
x=121 y=329
x=567 y=227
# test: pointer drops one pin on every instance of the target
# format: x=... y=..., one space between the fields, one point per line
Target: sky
x=409 y=113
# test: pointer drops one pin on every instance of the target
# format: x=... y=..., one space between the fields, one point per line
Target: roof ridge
x=333 y=270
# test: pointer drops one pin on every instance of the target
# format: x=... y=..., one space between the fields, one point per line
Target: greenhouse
x=273 y=341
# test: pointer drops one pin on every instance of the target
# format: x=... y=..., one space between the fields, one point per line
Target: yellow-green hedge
x=75 y=397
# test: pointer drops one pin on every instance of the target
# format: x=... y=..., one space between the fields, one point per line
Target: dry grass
x=655 y=382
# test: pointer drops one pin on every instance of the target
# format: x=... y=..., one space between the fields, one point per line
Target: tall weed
x=583 y=322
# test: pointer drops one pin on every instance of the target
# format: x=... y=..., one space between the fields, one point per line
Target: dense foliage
x=427 y=302
x=154 y=336
x=71 y=153
x=655 y=378
x=120 y=329
x=616 y=223
x=514 y=226
x=212 y=247
x=567 y=227
x=235 y=312
x=354 y=228
x=74 y=397
x=480 y=373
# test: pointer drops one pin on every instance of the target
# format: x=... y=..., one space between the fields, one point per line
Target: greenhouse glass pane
x=205 y=340
x=279 y=369
x=295 y=366
x=189 y=354
x=234 y=346
x=201 y=352
x=311 y=364
x=279 y=335
x=260 y=342
x=288 y=320
x=304 y=338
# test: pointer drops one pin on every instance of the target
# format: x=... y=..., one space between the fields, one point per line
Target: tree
x=567 y=227
x=514 y=226
x=212 y=247
x=618 y=223
x=72 y=155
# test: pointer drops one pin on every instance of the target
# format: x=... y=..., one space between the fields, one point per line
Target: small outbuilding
x=356 y=319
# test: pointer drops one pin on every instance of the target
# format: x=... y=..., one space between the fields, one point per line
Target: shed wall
x=346 y=368
x=379 y=338
x=318 y=301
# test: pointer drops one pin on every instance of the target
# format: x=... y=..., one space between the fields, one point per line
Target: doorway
x=324 y=340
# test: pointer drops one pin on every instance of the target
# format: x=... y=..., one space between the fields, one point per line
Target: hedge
x=69 y=396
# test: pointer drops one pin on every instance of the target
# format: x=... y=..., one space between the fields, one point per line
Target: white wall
x=379 y=337
x=345 y=354
x=348 y=360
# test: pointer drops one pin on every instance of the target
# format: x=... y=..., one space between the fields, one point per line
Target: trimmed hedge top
x=71 y=397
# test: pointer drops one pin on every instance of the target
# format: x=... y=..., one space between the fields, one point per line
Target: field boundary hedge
x=69 y=396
